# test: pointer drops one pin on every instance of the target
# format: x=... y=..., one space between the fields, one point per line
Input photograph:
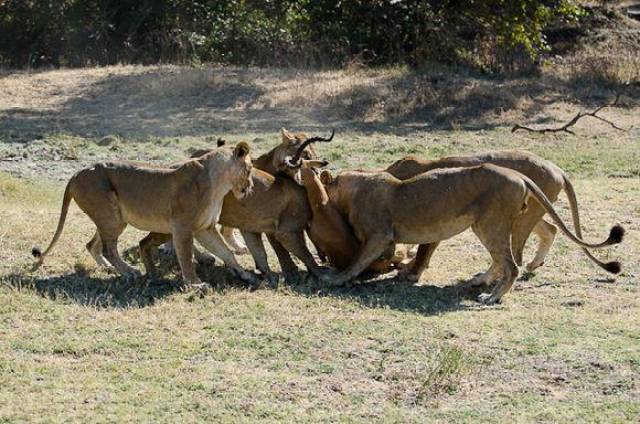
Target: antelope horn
x=296 y=158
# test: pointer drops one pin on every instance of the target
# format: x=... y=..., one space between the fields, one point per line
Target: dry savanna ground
x=79 y=344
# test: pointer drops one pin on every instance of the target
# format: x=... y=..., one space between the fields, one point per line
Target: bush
x=491 y=35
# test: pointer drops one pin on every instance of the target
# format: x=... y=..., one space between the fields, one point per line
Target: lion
x=328 y=230
x=184 y=202
x=228 y=234
x=437 y=205
x=550 y=178
x=278 y=209
x=272 y=163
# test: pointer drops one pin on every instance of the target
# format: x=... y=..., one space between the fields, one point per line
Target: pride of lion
x=354 y=219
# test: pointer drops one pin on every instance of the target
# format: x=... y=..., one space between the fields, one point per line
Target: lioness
x=327 y=229
x=280 y=210
x=545 y=174
x=184 y=202
x=228 y=234
x=437 y=205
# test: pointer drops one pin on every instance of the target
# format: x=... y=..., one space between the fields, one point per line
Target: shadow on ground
x=112 y=292
x=116 y=292
x=391 y=292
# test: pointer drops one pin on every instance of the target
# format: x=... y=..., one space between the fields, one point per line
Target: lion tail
x=613 y=267
x=36 y=252
x=615 y=235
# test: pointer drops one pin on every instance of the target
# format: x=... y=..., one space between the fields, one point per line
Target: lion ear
x=325 y=177
x=241 y=150
x=287 y=137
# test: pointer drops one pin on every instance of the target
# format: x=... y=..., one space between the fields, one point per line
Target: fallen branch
x=573 y=121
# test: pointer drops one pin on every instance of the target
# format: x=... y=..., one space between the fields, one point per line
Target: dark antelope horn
x=296 y=158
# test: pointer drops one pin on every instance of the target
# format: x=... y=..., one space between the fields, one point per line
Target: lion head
x=242 y=171
x=291 y=143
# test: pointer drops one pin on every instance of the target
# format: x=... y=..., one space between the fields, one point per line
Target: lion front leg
x=414 y=269
x=229 y=235
x=256 y=248
x=287 y=266
x=148 y=247
x=371 y=250
x=211 y=239
x=183 y=244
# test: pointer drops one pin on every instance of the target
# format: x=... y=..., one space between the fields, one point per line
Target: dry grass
x=78 y=344
x=169 y=101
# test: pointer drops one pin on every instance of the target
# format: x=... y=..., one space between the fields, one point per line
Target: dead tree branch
x=566 y=127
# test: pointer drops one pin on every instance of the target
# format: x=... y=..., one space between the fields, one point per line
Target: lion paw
x=247 y=277
x=206 y=259
x=407 y=274
x=486 y=299
x=532 y=266
x=272 y=278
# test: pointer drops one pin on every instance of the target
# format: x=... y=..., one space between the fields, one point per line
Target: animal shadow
x=394 y=292
x=115 y=291
x=83 y=289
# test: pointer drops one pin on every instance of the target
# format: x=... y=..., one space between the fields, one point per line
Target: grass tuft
x=449 y=366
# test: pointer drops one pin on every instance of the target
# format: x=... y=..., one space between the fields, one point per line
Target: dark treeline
x=493 y=35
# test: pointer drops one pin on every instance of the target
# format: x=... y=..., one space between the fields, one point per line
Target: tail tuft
x=616 y=234
x=613 y=267
x=36 y=252
x=221 y=142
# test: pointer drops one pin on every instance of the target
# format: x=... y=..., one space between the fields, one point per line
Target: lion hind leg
x=546 y=233
x=496 y=239
x=100 y=203
x=110 y=225
x=148 y=247
x=95 y=250
x=110 y=251
x=522 y=227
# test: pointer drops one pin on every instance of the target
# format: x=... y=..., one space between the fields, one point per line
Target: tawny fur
x=329 y=231
x=437 y=205
x=184 y=202
x=545 y=174
x=280 y=210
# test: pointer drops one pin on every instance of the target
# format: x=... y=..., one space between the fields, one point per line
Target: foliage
x=494 y=35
